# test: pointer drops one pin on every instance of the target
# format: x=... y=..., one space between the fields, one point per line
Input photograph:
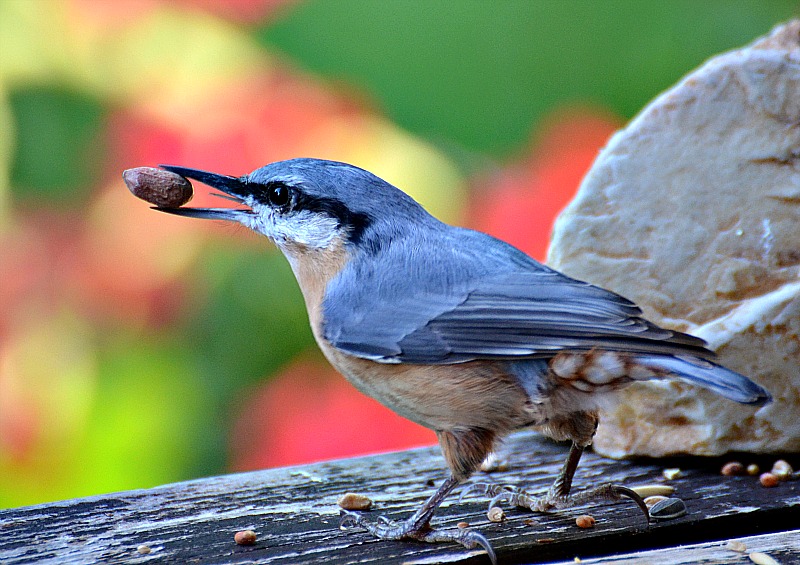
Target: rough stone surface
x=693 y=211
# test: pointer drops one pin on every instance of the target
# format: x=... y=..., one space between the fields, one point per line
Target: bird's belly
x=440 y=397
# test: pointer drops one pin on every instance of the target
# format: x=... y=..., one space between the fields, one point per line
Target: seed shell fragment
x=760 y=558
x=653 y=490
x=651 y=501
x=782 y=470
x=586 y=521
x=496 y=514
x=732 y=469
x=768 y=480
x=353 y=501
x=245 y=537
x=737 y=546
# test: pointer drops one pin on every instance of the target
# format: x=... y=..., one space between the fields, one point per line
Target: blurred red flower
x=310 y=413
x=519 y=203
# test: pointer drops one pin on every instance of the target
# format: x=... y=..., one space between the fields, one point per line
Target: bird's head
x=306 y=203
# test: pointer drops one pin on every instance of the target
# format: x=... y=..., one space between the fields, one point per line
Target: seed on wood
x=672 y=474
x=585 y=521
x=496 y=514
x=353 y=501
x=462 y=525
x=143 y=549
x=737 y=546
x=653 y=490
x=733 y=468
x=245 y=537
x=762 y=558
x=768 y=480
x=753 y=469
x=782 y=470
x=668 y=509
x=157 y=186
x=650 y=501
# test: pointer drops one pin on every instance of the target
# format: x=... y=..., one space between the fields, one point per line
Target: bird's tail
x=706 y=374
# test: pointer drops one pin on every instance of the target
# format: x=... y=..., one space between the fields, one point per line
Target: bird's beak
x=233 y=188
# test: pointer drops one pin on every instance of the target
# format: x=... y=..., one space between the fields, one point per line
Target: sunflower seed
x=668 y=509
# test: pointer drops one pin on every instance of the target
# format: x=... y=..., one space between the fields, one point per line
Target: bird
x=454 y=329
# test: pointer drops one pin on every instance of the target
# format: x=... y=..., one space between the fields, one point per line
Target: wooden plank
x=294 y=512
x=784 y=547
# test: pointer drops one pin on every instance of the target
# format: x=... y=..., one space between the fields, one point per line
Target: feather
x=452 y=304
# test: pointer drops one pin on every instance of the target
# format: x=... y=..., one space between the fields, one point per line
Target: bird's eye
x=278 y=195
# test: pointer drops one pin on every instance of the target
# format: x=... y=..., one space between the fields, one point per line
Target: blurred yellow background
x=137 y=348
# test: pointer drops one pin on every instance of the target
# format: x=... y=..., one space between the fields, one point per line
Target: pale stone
x=693 y=211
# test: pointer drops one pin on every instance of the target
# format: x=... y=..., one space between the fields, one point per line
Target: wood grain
x=294 y=512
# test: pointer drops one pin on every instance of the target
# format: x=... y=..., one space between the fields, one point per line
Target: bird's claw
x=522 y=499
x=386 y=529
x=348 y=519
x=486 y=489
x=618 y=492
x=383 y=527
x=466 y=537
x=384 y=520
x=503 y=496
x=499 y=493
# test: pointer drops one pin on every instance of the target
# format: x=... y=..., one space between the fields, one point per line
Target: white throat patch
x=304 y=227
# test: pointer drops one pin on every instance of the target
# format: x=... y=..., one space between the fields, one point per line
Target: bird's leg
x=559 y=494
x=418 y=526
x=561 y=487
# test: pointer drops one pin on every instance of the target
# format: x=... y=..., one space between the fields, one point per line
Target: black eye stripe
x=286 y=198
x=354 y=222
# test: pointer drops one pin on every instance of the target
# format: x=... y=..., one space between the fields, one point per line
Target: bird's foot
x=522 y=499
x=386 y=529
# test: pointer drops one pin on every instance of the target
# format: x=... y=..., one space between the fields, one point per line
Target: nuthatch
x=454 y=329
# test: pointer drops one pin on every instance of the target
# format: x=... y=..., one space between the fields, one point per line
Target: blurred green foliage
x=481 y=74
x=148 y=398
x=249 y=323
x=59 y=138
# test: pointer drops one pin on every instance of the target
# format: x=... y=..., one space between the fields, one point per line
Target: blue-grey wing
x=474 y=297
